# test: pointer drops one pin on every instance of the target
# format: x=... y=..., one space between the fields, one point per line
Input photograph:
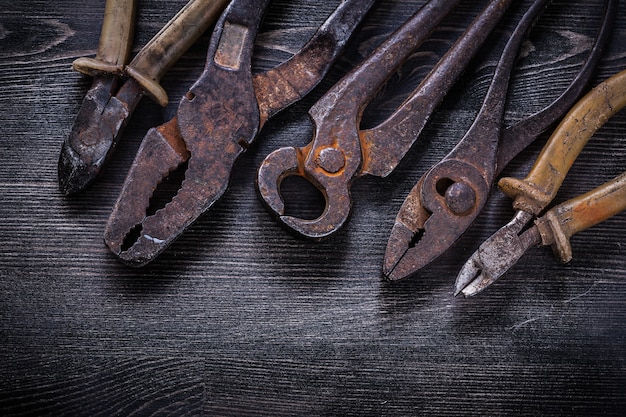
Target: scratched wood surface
x=241 y=318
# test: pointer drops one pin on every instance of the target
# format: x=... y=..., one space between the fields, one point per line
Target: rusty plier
x=217 y=120
x=340 y=151
x=534 y=193
x=451 y=194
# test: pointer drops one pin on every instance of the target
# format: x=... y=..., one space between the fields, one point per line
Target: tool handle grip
x=580 y=213
x=537 y=190
x=518 y=136
x=293 y=79
x=164 y=49
x=116 y=38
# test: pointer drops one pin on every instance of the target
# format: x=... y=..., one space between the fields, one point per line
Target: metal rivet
x=460 y=197
x=331 y=160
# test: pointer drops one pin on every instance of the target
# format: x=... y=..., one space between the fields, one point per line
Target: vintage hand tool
x=217 y=120
x=106 y=110
x=534 y=193
x=450 y=195
x=340 y=151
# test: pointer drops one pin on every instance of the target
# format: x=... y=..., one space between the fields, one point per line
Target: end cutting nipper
x=340 y=150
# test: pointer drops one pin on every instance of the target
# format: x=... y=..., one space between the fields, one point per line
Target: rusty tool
x=340 y=151
x=106 y=111
x=216 y=121
x=534 y=193
x=450 y=195
x=106 y=68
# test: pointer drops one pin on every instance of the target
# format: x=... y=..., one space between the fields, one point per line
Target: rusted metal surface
x=451 y=195
x=108 y=106
x=217 y=120
x=534 y=193
x=340 y=151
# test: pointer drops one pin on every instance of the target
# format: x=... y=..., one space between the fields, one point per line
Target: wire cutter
x=450 y=195
x=106 y=68
x=217 y=120
x=340 y=151
x=111 y=101
x=534 y=193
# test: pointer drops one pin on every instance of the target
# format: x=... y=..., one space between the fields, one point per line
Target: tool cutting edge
x=81 y=154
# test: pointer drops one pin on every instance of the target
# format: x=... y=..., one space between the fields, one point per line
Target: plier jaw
x=495 y=256
x=82 y=154
x=127 y=233
x=444 y=203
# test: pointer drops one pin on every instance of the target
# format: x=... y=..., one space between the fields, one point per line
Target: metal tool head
x=495 y=256
x=84 y=152
x=329 y=169
x=128 y=232
x=95 y=133
x=445 y=201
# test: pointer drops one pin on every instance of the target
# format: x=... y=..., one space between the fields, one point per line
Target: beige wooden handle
x=580 y=213
x=537 y=190
x=116 y=38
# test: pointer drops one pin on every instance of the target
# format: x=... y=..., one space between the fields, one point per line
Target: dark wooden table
x=239 y=317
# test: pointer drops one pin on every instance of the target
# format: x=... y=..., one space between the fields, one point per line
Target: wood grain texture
x=239 y=317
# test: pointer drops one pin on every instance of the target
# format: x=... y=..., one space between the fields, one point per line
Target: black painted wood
x=241 y=318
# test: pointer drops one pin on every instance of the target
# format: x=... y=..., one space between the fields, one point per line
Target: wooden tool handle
x=116 y=38
x=537 y=190
x=580 y=213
